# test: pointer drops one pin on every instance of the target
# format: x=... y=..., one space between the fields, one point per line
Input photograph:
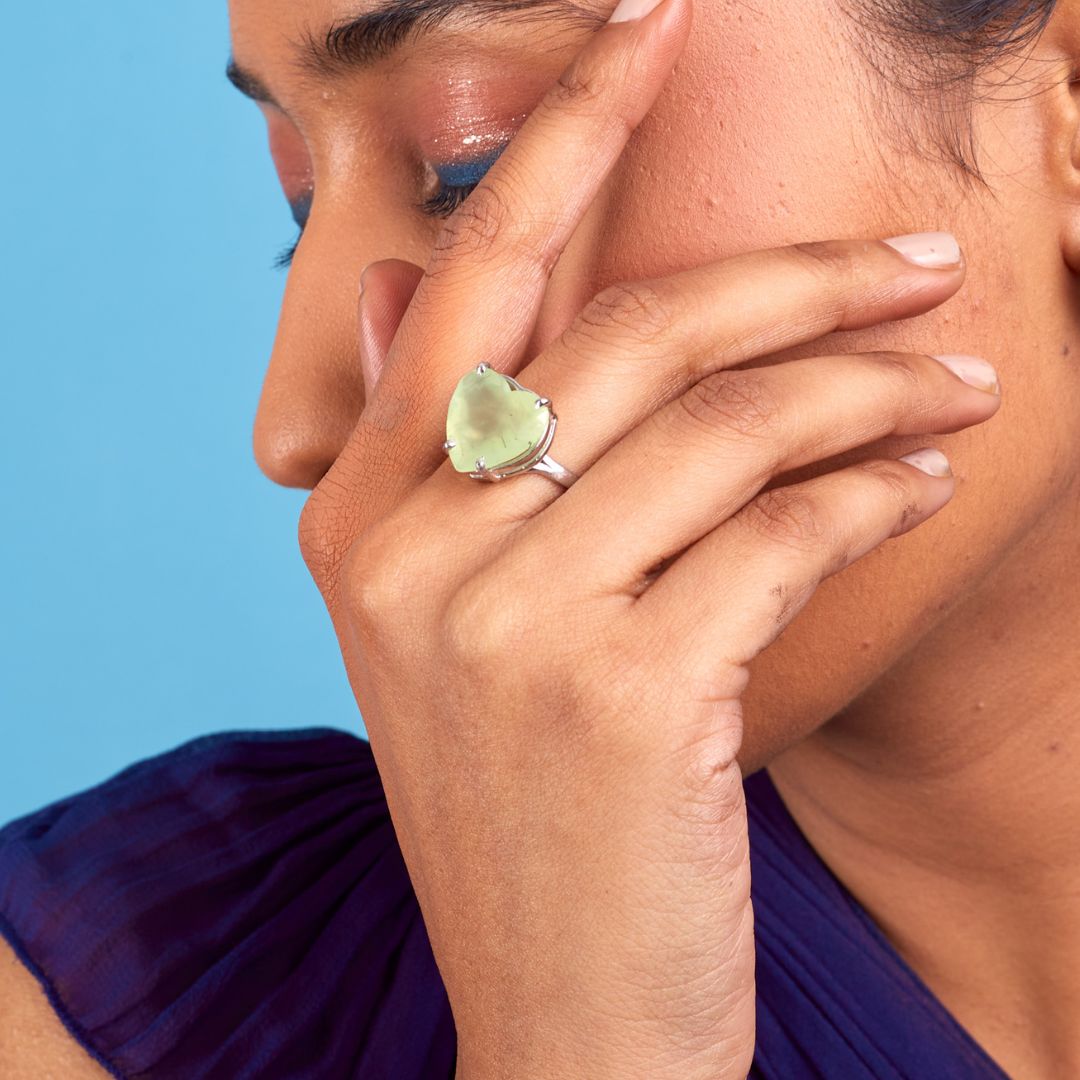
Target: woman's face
x=771 y=130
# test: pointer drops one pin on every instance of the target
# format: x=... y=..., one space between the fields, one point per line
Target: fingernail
x=929 y=461
x=362 y=273
x=972 y=369
x=628 y=10
x=933 y=249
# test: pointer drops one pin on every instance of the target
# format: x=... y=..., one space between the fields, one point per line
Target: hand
x=556 y=722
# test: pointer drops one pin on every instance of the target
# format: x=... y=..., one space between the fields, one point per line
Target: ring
x=496 y=428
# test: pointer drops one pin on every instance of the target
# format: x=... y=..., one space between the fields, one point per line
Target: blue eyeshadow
x=467 y=173
x=301 y=208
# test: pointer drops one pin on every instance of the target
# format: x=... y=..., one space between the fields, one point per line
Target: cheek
x=762 y=138
x=759 y=140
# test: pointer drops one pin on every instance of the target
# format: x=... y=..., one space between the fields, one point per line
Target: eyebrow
x=248 y=84
x=363 y=40
x=375 y=35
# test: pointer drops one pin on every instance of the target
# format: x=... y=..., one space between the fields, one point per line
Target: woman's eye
x=283 y=259
x=455 y=181
x=451 y=185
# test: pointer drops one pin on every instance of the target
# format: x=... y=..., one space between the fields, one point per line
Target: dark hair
x=934 y=51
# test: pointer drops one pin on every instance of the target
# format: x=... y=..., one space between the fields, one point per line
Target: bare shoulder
x=34 y=1044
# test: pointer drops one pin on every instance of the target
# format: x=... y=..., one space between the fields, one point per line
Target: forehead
x=272 y=28
x=262 y=27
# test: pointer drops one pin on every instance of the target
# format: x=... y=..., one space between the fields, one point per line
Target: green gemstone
x=492 y=418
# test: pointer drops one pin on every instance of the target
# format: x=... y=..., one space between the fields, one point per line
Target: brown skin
x=33 y=1042
x=917 y=714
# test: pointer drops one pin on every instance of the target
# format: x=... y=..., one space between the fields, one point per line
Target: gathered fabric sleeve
x=238 y=908
x=234 y=908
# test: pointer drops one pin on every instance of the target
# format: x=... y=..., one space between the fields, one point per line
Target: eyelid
x=290 y=155
x=300 y=207
x=457 y=180
x=463 y=172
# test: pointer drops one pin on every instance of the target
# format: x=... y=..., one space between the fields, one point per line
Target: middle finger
x=635 y=347
x=701 y=458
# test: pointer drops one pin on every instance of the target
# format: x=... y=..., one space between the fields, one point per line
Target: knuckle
x=838 y=268
x=484 y=625
x=581 y=86
x=830 y=260
x=597 y=90
x=895 y=487
x=323 y=535
x=738 y=403
x=792 y=517
x=378 y=581
x=902 y=367
x=632 y=311
x=472 y=231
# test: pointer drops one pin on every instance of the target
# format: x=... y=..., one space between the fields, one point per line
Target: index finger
x=485 y=280
x=499 y=248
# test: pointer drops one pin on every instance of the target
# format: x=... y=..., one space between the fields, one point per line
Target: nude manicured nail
x=628 y=10
x=934 y=249
x=972 y=369
x=929 y=460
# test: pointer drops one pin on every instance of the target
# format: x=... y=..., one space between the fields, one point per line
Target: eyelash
x=283 y=259
x=447 y=199
x=442 y=204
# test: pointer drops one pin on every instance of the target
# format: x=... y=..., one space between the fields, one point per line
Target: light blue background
x=152 y=585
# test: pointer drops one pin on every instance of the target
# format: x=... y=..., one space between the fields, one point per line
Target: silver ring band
x=553 y=469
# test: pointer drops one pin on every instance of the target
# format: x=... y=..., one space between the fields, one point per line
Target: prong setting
x=517 y=439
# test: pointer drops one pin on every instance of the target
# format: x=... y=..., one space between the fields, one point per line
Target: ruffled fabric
x=238 y=908
x=235 y=908
x=834 y=998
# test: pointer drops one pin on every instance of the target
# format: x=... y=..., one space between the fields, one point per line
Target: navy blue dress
x=238 y=908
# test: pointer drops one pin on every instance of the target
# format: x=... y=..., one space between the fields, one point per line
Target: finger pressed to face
x=638 y=345
x=702 y=457
x=733 y=592
x=486 y=278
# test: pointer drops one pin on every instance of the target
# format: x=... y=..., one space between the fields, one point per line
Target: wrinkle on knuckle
x=582 y=87
x=742 y=404
x=597 y=90
x=792 y=518
x=788 y=599
x=322 y=535
x=894 y=486
x=827 y=260
x=903 y=368
x=844 y=276
x=633 y=312
x=472 y=231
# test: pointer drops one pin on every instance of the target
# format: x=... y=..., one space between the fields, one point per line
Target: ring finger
x=636 y=346
x=697 y=460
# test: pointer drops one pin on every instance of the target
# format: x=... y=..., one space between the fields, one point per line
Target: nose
x=303 y=421
x=313 y=390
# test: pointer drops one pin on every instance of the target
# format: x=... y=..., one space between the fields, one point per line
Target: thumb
x=386 y=287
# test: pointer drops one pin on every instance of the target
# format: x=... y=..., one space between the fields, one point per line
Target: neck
x=946 y=797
